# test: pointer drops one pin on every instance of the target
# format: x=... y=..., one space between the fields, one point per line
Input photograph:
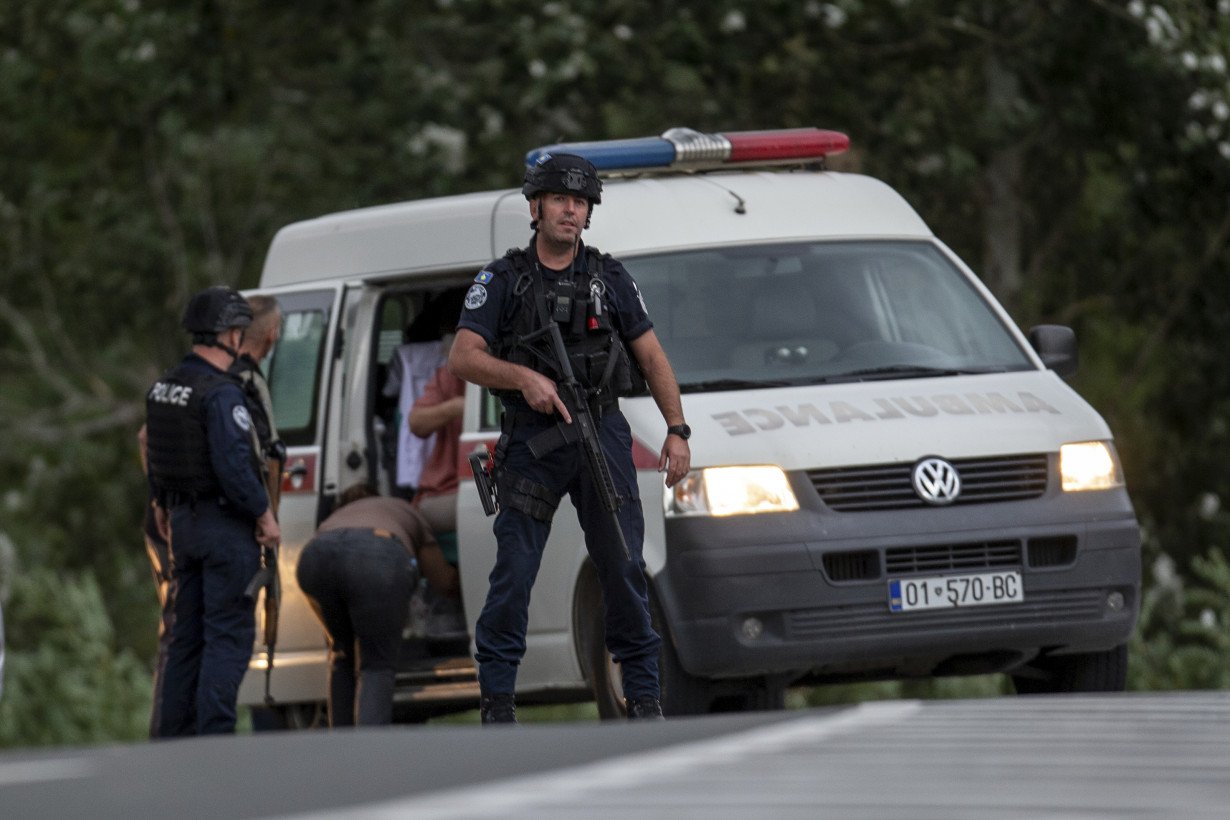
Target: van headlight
x=731 y=491
x=1088 y=465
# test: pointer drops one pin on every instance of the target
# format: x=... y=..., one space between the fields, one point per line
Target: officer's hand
x=268 y=533
x=540 y=395
x=675 y=459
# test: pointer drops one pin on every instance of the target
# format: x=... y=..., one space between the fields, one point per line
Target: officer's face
x=561 y=217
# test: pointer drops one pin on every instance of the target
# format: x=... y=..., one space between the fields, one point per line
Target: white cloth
x=411 y=367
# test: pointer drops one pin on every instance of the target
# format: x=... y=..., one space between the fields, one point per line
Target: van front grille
x=947 y=557
x=863 y=565
x=879 y=487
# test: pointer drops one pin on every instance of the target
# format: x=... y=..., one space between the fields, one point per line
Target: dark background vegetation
x=1075 y=152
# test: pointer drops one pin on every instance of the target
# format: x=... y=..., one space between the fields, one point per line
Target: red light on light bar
x=793 y=143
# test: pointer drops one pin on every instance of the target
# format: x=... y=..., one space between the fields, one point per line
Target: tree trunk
x=1001 y=263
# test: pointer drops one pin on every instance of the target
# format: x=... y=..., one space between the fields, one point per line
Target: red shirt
x=440 y=472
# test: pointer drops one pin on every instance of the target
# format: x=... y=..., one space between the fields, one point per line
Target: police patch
x=484 y=276
x=476 y=297
x=241 y=417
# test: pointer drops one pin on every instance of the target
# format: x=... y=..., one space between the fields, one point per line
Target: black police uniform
x=203 y=470
x=530 y=487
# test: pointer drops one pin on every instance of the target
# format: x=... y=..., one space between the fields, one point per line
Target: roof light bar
x=682 y=149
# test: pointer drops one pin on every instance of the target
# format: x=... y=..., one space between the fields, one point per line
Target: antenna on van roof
x=741 y=207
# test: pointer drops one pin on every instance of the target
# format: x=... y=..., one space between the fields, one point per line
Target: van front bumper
x=777 y=595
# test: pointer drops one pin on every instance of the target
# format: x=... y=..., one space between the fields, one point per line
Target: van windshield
x=809 y=313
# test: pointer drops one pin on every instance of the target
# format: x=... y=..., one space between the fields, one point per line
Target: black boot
x=498 y=708
x=646 y=707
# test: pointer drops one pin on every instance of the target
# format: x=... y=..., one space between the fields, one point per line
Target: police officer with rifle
x=559 y=332
x=211 y=503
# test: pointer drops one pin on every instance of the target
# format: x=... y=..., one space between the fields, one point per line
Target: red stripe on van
x=643 y=458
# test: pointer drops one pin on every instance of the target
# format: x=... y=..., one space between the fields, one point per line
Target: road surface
x=1130 y=755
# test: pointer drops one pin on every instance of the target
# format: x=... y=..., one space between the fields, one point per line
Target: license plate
x=950 y=591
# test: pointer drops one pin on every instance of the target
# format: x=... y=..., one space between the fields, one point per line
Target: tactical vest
x=599 y=359
x=176 y=438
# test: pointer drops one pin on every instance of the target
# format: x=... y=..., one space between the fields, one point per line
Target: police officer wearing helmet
x=210 y=501
x=614 y=351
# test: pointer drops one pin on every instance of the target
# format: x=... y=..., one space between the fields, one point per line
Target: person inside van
x=413 y=363
x=358 y=573
x=438 y=413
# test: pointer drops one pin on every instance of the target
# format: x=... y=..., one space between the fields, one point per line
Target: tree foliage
x=1076 y=152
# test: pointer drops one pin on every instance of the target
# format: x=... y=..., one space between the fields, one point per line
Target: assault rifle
x=582 y=431
x=267 y=577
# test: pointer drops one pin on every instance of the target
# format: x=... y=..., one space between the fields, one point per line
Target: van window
x=815 y=312
x=293 y=367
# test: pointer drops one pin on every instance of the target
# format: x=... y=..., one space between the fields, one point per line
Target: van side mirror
x=1056 y=345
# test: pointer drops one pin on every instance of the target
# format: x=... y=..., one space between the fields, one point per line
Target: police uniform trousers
x=500 y=633
x=359 y=583
x=214 y=555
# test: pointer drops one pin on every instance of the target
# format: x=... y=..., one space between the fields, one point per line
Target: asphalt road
x=1157 y=755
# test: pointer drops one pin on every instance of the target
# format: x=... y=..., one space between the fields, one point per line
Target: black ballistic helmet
x=214 y=310
x=563 y=174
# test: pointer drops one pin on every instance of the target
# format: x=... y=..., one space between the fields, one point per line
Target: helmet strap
x=212 y=340
x=232 y=351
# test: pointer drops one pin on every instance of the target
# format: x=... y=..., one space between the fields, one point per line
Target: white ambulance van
x=890 y=479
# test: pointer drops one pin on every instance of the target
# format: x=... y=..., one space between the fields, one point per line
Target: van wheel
x=1087 y=672
x=682 y=694
x=603 y=674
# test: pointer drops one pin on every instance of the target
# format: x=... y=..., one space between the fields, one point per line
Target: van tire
x=600 y=670
x=682 y=693
x=1086 y=672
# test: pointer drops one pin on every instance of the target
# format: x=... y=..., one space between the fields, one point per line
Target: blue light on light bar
x=614 y=155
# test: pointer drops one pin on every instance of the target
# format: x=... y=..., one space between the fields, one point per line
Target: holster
x=488 y=493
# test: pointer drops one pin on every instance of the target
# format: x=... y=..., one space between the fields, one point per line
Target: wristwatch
x=682 y=430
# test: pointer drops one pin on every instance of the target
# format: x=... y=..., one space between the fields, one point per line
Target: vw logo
x=936 y=481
